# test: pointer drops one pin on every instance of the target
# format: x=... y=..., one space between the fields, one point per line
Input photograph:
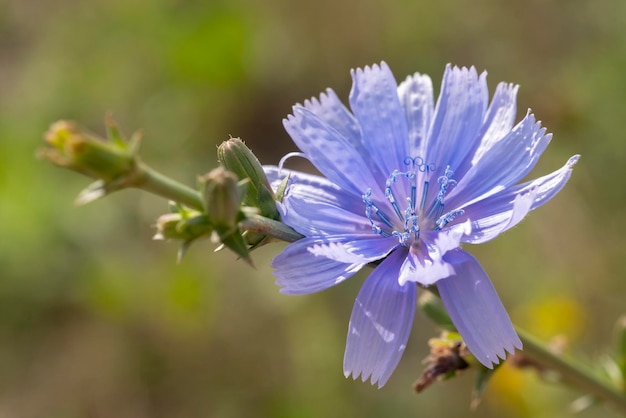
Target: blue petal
x=498 y=120
x=416 y=96
x=380 y=324
x=314 y=187
x=424 y=266
x=354 y=248
x=330 y=110
x=506 y=163
x=329 y=151
x=492 y=216
x=425 y=263
x=313 y=264
x=375 y=103
x=458 y=117
x=300 y=272
x=310 y=217
x=315 y=206
x=476 y=310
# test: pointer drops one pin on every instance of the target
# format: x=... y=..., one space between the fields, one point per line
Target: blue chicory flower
x=407 y=181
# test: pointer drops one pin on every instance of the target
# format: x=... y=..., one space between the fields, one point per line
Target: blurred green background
x=98 y=320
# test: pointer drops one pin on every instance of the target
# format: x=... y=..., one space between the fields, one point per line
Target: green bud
x=221 y=194
x=176 y=226
x=221 y=197
x=185 y=225
x=167 y=227
x=73 y=148
x=238 y=158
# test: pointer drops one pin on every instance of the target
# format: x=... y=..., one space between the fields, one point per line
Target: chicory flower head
x=406 y=182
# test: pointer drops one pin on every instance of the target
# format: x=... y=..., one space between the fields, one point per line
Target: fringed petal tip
x=476 y=311
x=470 y=72
x=573 y=160
x=499 y=353
x=316 y=102
x=380 y=324
x=377 y=381
x=370 y=69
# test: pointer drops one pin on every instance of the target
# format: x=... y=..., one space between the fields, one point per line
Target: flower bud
x=221 y=198
x=73 y=148
x=238 y=158
x=176 y=226
x=221 y=194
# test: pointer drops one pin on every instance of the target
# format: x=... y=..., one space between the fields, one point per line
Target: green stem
x=572 y=373
x=569 y=370
x=154 y=182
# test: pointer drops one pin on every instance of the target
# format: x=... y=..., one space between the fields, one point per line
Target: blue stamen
x=448 y=217
x=436 y=210
x=382 y=223
x=445 y=182
x=424 y=196
x=412 y=177
x=371 y=209
x=409 y=232
x=390 y=195
x=383 y=217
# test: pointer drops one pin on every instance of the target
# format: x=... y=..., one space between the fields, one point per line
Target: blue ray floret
x=406 y=181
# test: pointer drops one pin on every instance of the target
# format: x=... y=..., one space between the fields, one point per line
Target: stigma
x=408 y=208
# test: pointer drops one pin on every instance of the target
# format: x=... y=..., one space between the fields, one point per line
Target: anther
x=424 y=196
x=390 y=195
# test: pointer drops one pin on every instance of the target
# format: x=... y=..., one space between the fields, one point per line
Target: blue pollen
x=408 y=219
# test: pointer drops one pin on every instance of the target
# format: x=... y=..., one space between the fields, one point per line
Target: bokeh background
x=98 y=320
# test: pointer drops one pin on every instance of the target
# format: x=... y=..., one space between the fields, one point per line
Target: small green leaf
x=282 y=188
x=432 y=306
x=235 y=241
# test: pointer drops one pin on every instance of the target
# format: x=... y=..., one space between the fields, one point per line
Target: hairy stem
x=156 y=183
x=572 y=372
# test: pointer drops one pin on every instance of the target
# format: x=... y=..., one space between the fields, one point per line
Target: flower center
x=413 y=208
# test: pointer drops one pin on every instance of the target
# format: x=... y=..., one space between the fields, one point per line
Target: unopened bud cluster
x=99 y=158
x=112 y=162
x=229 y=193
x=225 y=199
